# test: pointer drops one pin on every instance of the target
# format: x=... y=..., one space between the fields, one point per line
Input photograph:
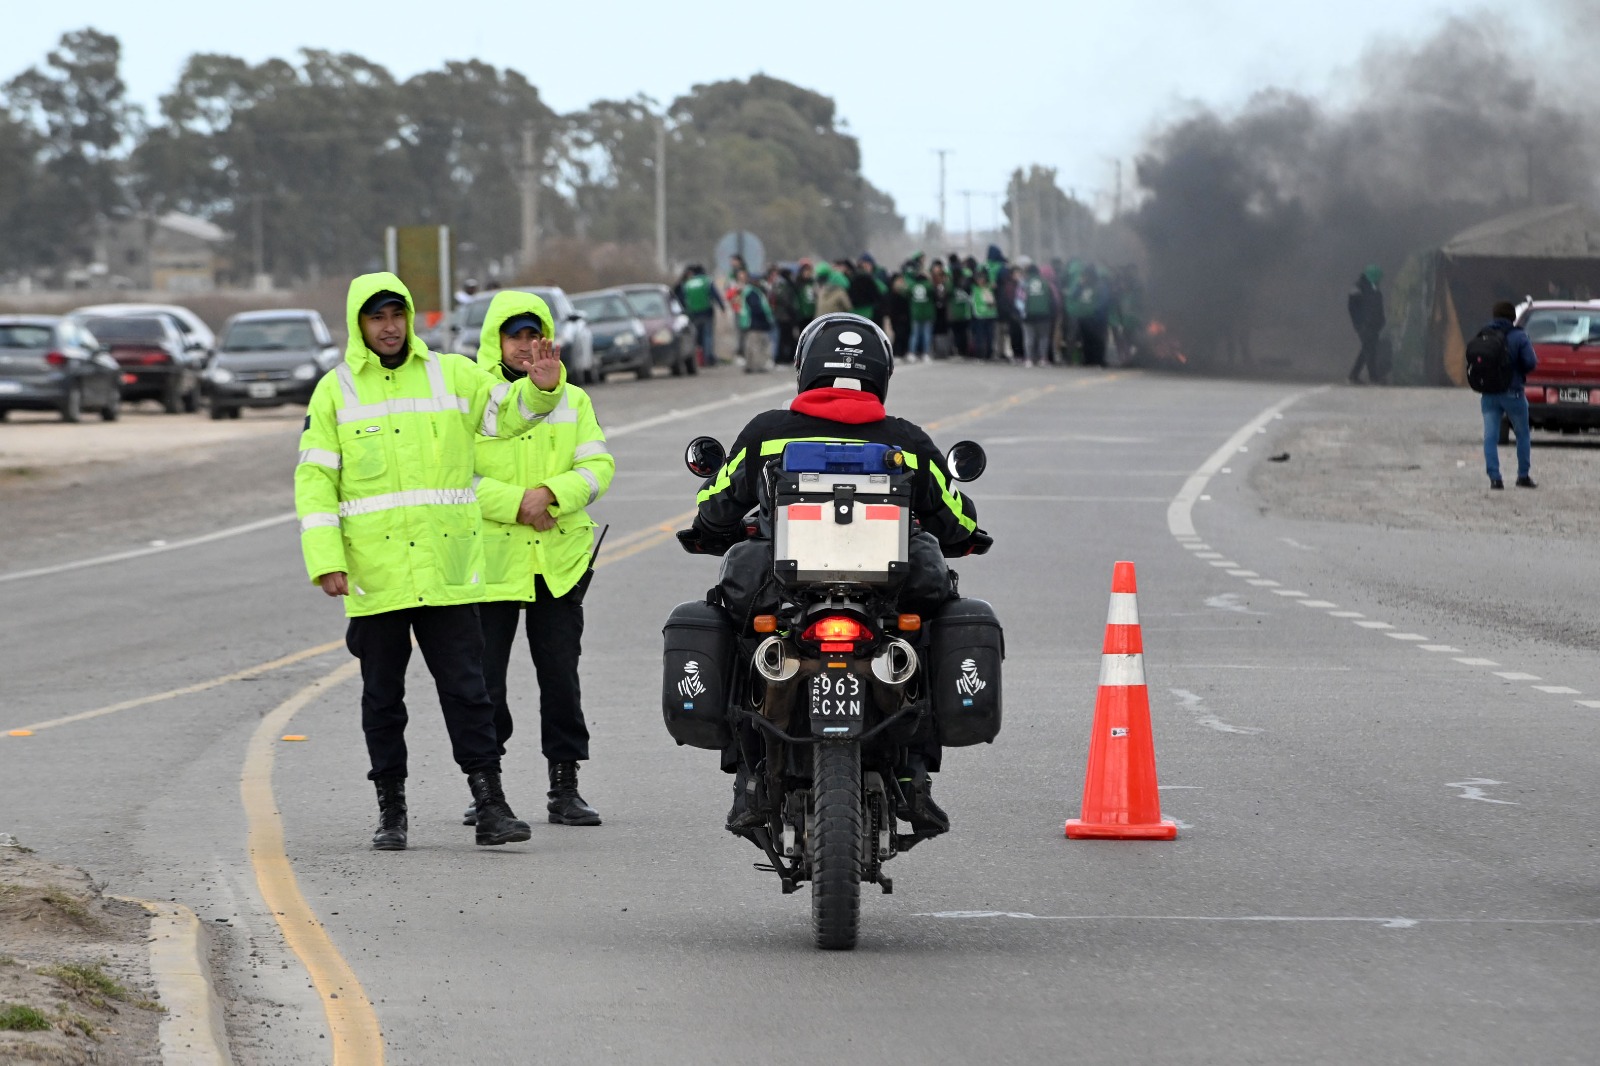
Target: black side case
x=967 y=648
x=696 y=670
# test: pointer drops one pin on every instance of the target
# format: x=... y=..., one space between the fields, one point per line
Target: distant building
x=172 y=253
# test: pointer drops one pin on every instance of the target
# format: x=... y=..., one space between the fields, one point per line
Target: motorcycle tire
x=836 y=842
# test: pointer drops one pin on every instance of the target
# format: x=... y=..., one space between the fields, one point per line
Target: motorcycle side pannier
x=696 y=669
x=964 y=684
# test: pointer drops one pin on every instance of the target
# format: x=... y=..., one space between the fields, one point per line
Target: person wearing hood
x=866 y=291
x=535 y=491
x=833 y=290
x=843 y=365
x=390 y=523
x=1365 y=305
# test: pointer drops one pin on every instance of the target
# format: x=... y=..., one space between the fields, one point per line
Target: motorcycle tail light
x=834 y=629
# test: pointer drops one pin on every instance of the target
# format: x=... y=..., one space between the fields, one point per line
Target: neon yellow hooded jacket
x=383 y=486
x=565 y=453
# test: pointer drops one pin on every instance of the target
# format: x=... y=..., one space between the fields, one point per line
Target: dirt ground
x=75 y=983
x=1413 y=459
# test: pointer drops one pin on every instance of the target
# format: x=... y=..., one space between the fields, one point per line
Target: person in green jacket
x=535 y=490
x=390 y=523
x=923 y=310
x=984 y=313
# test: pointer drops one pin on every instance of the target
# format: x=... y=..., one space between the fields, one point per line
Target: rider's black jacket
x=856 y=417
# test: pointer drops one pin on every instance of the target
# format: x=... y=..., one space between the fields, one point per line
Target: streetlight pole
x=661 y=194
x=941 y=153
x=530 y=199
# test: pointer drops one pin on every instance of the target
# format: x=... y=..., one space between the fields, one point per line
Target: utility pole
x=530 y=199
x=941 y=153
x=1016 y=213
x=661 y=194
x=966 y=195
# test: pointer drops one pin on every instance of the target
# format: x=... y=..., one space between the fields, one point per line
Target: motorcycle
x=809 y=668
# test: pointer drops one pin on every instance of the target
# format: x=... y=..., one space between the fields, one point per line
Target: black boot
x=746 y=812
x=470 y=815
x=926 y=817
x=496 y=824
x=566 y=807
x=392 y=821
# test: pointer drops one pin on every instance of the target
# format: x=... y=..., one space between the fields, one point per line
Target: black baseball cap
x=379 y=300
x=519 y=322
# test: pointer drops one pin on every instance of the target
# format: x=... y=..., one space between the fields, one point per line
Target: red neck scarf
x=850 y=406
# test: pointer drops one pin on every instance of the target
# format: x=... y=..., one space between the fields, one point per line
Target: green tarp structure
x=1441 y=297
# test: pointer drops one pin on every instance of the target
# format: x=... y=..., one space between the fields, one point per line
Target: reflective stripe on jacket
x=383 y=486
x=566 y=453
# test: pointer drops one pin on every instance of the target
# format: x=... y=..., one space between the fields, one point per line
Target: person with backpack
x=1499 y=359
x=1365 y=304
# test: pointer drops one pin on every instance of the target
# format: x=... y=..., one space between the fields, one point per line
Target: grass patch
x=68 y=1021
x=91 y=981
x=69 y=906
x=7 y=960
x=18 y=1018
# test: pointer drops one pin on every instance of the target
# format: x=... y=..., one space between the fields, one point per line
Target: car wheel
x=235 y=412
x=643 y=370
x=5 y=413
x=218 y=412
x=172 y=397
x=191 y=400
x=72 y=406
x=112 y=410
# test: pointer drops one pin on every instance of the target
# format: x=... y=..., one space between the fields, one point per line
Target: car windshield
x=1563 y=326
x=649 y=304
x=18 y=335
x=607 y=308
x=128 y=330
x=269 y=335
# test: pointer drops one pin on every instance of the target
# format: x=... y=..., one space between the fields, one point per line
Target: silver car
x=572 y=331
x=53 y=364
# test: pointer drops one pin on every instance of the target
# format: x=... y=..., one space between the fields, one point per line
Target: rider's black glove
x=697 y=541
x=977 y=543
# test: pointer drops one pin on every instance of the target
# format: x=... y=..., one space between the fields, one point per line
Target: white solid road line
x=280 y=519
x=1180 y=513
x=1386 y=923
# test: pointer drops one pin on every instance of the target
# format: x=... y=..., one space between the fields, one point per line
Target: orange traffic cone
x=1120 y=800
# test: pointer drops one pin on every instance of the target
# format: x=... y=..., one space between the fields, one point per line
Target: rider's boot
x=745 y=812
x=916 y=787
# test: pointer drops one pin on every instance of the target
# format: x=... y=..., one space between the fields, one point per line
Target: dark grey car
x=49 y=363
x=268 y=359
x=621 y=341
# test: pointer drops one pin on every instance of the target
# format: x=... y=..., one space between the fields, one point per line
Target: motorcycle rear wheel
x=835 y=832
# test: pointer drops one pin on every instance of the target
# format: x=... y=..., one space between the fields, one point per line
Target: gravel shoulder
x=75 y=983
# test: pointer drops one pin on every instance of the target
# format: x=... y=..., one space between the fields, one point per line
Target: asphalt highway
x=1388 y=846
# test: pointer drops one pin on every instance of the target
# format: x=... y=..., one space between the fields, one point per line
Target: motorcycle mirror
x=966 y=461
x=704 y=456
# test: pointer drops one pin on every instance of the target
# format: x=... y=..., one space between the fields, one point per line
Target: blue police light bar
x=836 y=457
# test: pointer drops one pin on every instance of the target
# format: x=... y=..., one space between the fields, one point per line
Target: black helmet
x=842 y=345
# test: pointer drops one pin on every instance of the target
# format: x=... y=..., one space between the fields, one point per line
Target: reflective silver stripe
x=403 y=407
x=1121 y=671
x=476 y=478
x=435 y=378
x=564 y=411
x=590 y=450
x=316 y=521
x=594 y=484
x=491 y=413
x=320 y=456
x=388 y=501
x=347 y=384
x=1124 y=610
x=522 y=408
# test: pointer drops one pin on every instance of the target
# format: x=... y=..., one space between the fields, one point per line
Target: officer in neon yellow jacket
x=389 y=521
x=538 y=538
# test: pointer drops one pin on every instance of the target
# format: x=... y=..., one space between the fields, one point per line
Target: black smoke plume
x=1256 y=223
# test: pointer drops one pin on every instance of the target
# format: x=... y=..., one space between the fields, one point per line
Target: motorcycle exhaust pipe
x=896 y=664
x=777 y=668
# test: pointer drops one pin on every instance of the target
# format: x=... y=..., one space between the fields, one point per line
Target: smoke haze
x=1256 y=223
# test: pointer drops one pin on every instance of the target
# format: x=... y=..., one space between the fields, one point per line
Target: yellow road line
x=1016 y=399
x=249 y=673
x=352 y=1023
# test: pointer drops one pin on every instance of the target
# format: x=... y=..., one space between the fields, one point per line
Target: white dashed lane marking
x=1180 y=523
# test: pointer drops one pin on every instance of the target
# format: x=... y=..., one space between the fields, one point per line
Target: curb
x=192 y=1032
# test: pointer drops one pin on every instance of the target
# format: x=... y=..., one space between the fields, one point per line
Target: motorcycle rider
x=843 y=363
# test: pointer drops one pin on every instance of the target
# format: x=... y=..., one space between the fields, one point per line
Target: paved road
x=1388 y=850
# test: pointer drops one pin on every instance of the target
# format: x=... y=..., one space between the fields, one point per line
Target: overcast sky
x=1064 y=83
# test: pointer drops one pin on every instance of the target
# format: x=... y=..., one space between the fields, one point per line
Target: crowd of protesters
x=997 y=310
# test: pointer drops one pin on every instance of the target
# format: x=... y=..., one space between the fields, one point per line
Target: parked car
x=572 y=331
x=268 y=359
x=193 y=330
x=1564 y=392
x=669 y=329
x=156 y=364
x=48 y=363
x=621 y=341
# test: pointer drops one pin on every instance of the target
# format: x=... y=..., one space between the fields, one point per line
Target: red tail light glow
x=55 y=359
x=836 y=629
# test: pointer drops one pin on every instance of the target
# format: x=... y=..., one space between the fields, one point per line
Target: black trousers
x=555 y=638
x=452 y=646
x=1368 y=358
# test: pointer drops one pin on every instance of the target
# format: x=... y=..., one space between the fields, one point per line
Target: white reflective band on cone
x=1124 y=610
x=1120 y=671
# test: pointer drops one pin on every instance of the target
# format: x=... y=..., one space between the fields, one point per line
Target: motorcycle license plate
x=1574 y=395
x=836 y=698
x=262 y=390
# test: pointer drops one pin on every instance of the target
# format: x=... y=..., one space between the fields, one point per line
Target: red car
x=1564 y=392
